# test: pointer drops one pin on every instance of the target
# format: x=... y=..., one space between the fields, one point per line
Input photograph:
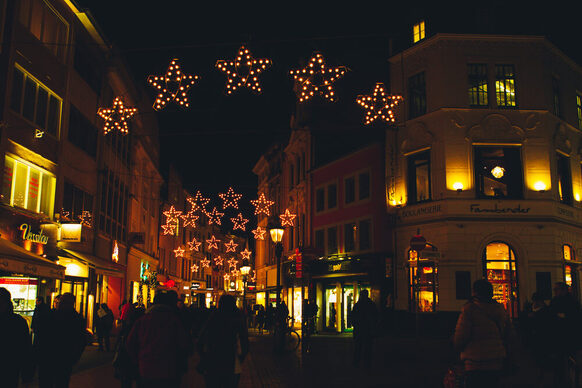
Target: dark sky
x=216 y=143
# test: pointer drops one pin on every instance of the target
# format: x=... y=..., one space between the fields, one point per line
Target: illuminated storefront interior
x=423 y=284
x=339 y=300
x=23 y=291
x=500 y=269
x=570 y=270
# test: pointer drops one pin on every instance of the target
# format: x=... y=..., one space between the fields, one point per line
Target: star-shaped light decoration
x=173 y=86
x=230 y=198
x=214 y=217
x=234 y=273
x=194 y=268
x=288 y=218
x=231 y=246
x=259 y=233
x=212 y=243
x=65 y=215
x=232 y=263
x=243 y=71
x=116 y=117
x=226 y=277
x=189 y=219
x=218 y=260
x=194 y=245
x=86 y=218
x=239 y=222
x=262 y=205
x=172 y=215
x=246 y=254
x=205 y=263
x=379 y=105
x=198 y=202
x=179 y=252
x=317 y=78
x=169 y=229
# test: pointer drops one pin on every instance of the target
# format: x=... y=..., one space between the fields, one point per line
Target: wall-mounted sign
x=476 y=208
x=27 y=234
x=195 y=285
x=70 y=232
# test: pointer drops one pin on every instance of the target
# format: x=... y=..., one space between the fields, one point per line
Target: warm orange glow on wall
x=540 y=186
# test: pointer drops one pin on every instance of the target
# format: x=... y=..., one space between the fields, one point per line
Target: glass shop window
x=498 y=172
x=422 y=283
x=564 y=179
x=571 y=269
x=419 y=177
x=500 y=268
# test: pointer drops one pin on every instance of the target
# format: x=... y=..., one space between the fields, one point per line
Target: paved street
x=397 y=362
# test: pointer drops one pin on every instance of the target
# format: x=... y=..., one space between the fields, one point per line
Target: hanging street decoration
x=198 y=202
x=235 y=272
x=259 y=233
x=218 y=260
x=379 y=105
x=230 y=199
x=226 y=277
x=169 y=229
x=189 y=219
x=86 y=218
x=246 y=254
x=317 y=78
x=173 y=86
x=239 y=222
x=232 y=263
x=212 y=243
x=194 y=245
x=179 y=252
x=262 y=205
x=194 y=268
x=214 y=217
x=231 y=246
x=243 y=71
x=116 y=117
x=288 y=218
x=205 y=263
x=172 y=215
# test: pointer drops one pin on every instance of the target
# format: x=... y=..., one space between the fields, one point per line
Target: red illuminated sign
x=298 y=264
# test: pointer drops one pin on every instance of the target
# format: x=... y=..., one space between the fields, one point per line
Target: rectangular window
x=564 y=179
x=76 y=201
x=290 y=236
x=320 y=200
x=505 y=86
x=350 y=190
x=35 y=102
x=320 y=239
x=82 y=133
x=332 y=240
x=365 y=235
x=419 y=177
x=462 y=285
x=88 y=67
x=478 y=96
x=416 y=95
x=498 y=172
x=331 y=196
x=579 y=110
x=28 y=186
x=556 y=97
x=364 y=186
x=418 y=32
x=113 y=206
x=350 y=237
x=45 y=23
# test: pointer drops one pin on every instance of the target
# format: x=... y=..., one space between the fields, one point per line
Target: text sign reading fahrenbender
x=34 y=237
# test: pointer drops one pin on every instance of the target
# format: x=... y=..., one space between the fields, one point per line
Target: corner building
x=486 y=166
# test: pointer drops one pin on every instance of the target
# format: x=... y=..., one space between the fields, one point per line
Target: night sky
x=216 y=143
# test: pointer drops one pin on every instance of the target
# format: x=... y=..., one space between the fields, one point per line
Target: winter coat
x=158 y=344
x=481 y=333
x=364 y=318
x=16 y=345
x=566 y=319
x=65 y=338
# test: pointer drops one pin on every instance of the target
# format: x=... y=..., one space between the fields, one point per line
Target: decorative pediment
x=417 y=136
x=495 y=128
x=561 y=140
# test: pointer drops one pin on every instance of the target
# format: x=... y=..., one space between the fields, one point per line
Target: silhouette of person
x=364 y=318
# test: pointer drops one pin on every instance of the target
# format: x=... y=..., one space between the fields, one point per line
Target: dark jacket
x=65 y=338
x=364 y=318
x=566 y=319
x=158 y=344
x=16 y=345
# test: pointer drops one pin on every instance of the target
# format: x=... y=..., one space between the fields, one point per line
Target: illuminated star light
x=218 y=260
x=198 y=202
x=214 y=217
x=179 y=252
x=231 y=246
x=205 y=263
x=212 y=243
x=262 y=205
x=259 y=233
x=65 y=215
x=230 y=199
x=246 y=254
x=226 y=277
x=173 y=86
x=235 y=272
x=288 y=218
x=194 y=245
x=194 y=268
x=189 y=219
x=379 y=105
x=232 y=263
x=317 y=78
x=86 y=218
x=116 y=117
x=243 y=71
x=239 y=222
x=169 y=229
x=172 y=215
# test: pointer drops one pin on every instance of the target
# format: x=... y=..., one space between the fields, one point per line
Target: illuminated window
x=571 y=269
x=416 y=95
x=419 y=177
x=567 y=252
x=564 y=179
x=505 y=86
x=478 y=85
x=423 y=284
x=45 y=23
x=76 y=201
x=556 y=97
x=579 y=110
x=35 y=102
x=418 y=32
x=498 y=172
x=499 y=266
x=28 y=186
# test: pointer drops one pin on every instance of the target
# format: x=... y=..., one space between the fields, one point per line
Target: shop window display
x=570 y=269
x=500 y=269
x=423 y=284
x=23 y=291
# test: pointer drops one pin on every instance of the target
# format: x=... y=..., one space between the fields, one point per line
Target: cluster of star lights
x=173 y=86
x=379 y=105
x=317 y=78
x=116 y=117
x=243 y=71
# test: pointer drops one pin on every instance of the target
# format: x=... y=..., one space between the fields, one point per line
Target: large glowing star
x=189 y=219
x=172 y=215
x=231 y=246
x=288 y=218
x=169 y=229
x=179 y=252
x=243 y=71
x=259 y=233
x=116 y=117
x=246 y=254
x=198 y=202
x=194 y=268
x=194 y=245
x=226 y=277
x=232 y=263
x=86 y=218
x=214 y=217
x=239 y=222
x=230 y=198
x=212 y=243
x=173 y=86
x=218 y=260
x=379 y=105
x=262 y=205
x=317 y=78
x=205 y=263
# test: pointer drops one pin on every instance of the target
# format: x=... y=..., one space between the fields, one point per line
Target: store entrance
x=500 y=269
x=340 y=299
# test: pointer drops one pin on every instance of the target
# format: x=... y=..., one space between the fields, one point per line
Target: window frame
x=479 y=185
x=579 y=108
x=410 y=179
x=473 y=79
x=565 y=195
x=418 y=31
x=505 y=79
x=416 y=85
x=59 y=50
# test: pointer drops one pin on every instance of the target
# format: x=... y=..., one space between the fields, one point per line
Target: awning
x=101 y=267
x=14 y=258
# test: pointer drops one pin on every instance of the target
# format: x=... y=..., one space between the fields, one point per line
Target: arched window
x=570 y=269
x=499 y=267
x=423 y=280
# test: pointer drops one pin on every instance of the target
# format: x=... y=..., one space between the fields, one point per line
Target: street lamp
x=276 y=233
x=244 y=270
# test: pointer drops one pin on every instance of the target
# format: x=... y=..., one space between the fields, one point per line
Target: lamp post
x=276 y=233
x=244 y=270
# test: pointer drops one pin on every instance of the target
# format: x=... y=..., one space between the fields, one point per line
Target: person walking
x=61 y=348
x=223 y=345
x=158 y=344
x=538 y=335
x=104 y=326
x=364 y=318
x=15 y=364
x=482 y=334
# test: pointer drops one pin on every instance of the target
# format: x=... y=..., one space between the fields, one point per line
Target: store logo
x=476 y=208
x=34 y=237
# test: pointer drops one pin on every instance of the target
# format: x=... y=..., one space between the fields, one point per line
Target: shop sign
x=195 y=285
x=421 y=211
x=476 y=208
x=27 y=234
x=345 y=266
x=70 y=232
x=298 y=264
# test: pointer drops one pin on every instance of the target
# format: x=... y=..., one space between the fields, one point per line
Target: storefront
x=143 y=279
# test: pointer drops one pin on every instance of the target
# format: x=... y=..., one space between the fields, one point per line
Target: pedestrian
x=39 y=320
x=482 y=336
x=158 y=344
x=15 y=362
x=223 y=345
x=261 y=319
x=63 y=345
x=538 y=335
x=104 y=326
x=364 y=318
x=124 y=368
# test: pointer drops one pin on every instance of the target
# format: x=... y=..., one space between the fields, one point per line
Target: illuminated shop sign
x=27 y=234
